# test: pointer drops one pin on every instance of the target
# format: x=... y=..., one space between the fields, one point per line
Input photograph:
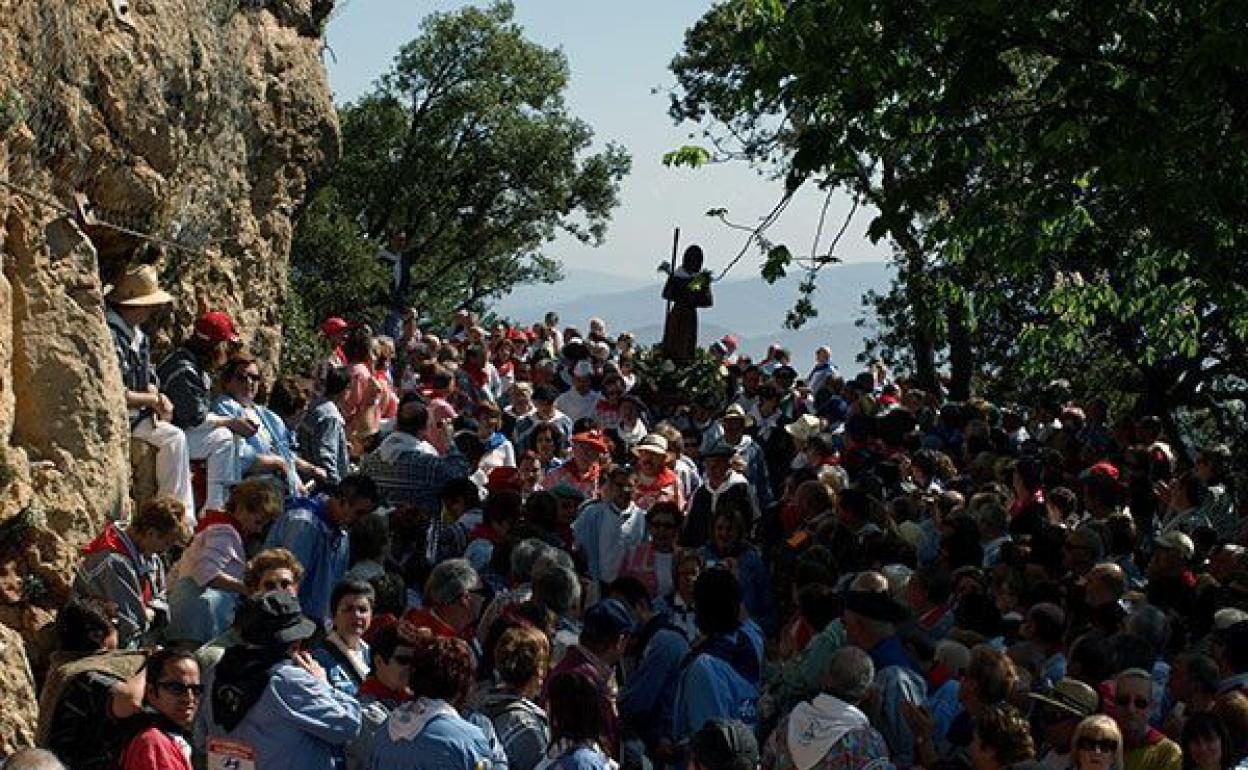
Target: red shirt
x=423 y=617
x=154 y=749
x=665 y=488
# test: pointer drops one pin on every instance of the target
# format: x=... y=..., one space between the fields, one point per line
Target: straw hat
x=139 y=287
x=654 y=443
x=804 y=427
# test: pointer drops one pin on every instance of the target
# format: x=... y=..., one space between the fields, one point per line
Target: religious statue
x=687 y=289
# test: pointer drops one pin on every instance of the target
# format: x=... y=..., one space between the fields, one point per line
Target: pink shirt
x=440 y=410
x=217 y=550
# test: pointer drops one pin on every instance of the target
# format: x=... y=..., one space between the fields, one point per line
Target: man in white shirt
x=582 y=400
x=605 y=530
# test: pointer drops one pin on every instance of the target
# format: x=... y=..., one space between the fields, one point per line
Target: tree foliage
x=467 y=147
x=1063 y=180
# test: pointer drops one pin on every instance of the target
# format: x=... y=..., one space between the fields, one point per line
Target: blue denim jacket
x=321 y=547
x=250 y=448
x=649 y=696
x=447 y=742
x=299 y=723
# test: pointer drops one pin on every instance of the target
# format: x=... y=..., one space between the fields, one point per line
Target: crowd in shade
x=472 y=548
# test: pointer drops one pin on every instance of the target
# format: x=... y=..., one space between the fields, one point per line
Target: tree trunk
x=918 y=285
x=961 y=349
x=918 y=289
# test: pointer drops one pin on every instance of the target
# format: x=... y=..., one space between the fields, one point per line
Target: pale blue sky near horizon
x=618 y=55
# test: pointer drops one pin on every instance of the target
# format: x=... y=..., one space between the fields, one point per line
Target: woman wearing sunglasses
x=1097 y=744
x=267 y=452
x=170 y=701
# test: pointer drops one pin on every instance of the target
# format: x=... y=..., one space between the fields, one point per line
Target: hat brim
x=304 y=629
x=876 y=605
x=1062 y=706
x=159 y=297
x=799 y=431
x=593 y=442
x=654 y=450
x=233 y=339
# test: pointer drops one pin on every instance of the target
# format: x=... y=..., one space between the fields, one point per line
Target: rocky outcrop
x=198 y=122
x=17 y=695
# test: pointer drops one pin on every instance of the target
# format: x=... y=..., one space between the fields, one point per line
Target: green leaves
x=1007 y=149
x=467 y=147
x=690 y=156
x=776 y=263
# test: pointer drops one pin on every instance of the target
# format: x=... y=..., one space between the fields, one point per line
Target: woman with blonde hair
x=208 y=579
x=1097 y=744
x=521 y=662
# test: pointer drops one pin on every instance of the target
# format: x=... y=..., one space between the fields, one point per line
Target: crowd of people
x=497 y=548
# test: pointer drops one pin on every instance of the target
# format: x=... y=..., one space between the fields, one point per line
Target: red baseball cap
x=216 y=327
x=333 y=325
x=592 y=438
x=1103 y=469
x=502 y=479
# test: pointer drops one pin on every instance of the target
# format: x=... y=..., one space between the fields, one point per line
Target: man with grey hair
x=871 y=618
x=454 y=596
x=524 y=557
x=993 y=522
x=32 y=759
x=1143 y=747
x=557 y=587
x=830 y=731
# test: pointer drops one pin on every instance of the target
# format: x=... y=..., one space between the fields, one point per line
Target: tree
x=1064 y=179
x=467 y=148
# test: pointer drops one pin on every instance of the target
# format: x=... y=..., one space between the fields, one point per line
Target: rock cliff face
x=198 y=122
x=195 y=121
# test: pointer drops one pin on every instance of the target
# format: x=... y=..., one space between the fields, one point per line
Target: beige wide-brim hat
x=654 y=443
x=736 y=412
x=804 y=427
x=139 y=287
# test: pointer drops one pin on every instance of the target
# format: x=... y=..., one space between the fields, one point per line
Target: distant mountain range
x=749 y=308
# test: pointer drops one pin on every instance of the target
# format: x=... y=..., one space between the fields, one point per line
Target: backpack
x=75 y=716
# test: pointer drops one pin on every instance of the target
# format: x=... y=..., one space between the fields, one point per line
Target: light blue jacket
x=250 y=448
x=335 y=670
x=604 y=534
x=299 y=723
x=322 y=547
x=649 y=696
x=446 y=742
x=711 y=688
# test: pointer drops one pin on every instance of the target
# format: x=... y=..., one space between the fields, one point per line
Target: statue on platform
x=687 y=289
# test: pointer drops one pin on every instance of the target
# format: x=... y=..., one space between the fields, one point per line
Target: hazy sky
x=618 y=54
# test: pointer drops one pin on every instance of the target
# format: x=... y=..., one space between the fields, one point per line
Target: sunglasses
x=1103 y=745
x=180 y=689
x=1140 y=701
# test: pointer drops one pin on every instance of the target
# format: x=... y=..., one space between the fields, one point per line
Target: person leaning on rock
x=132 y=302
x=186 y=379
x=122 y=566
